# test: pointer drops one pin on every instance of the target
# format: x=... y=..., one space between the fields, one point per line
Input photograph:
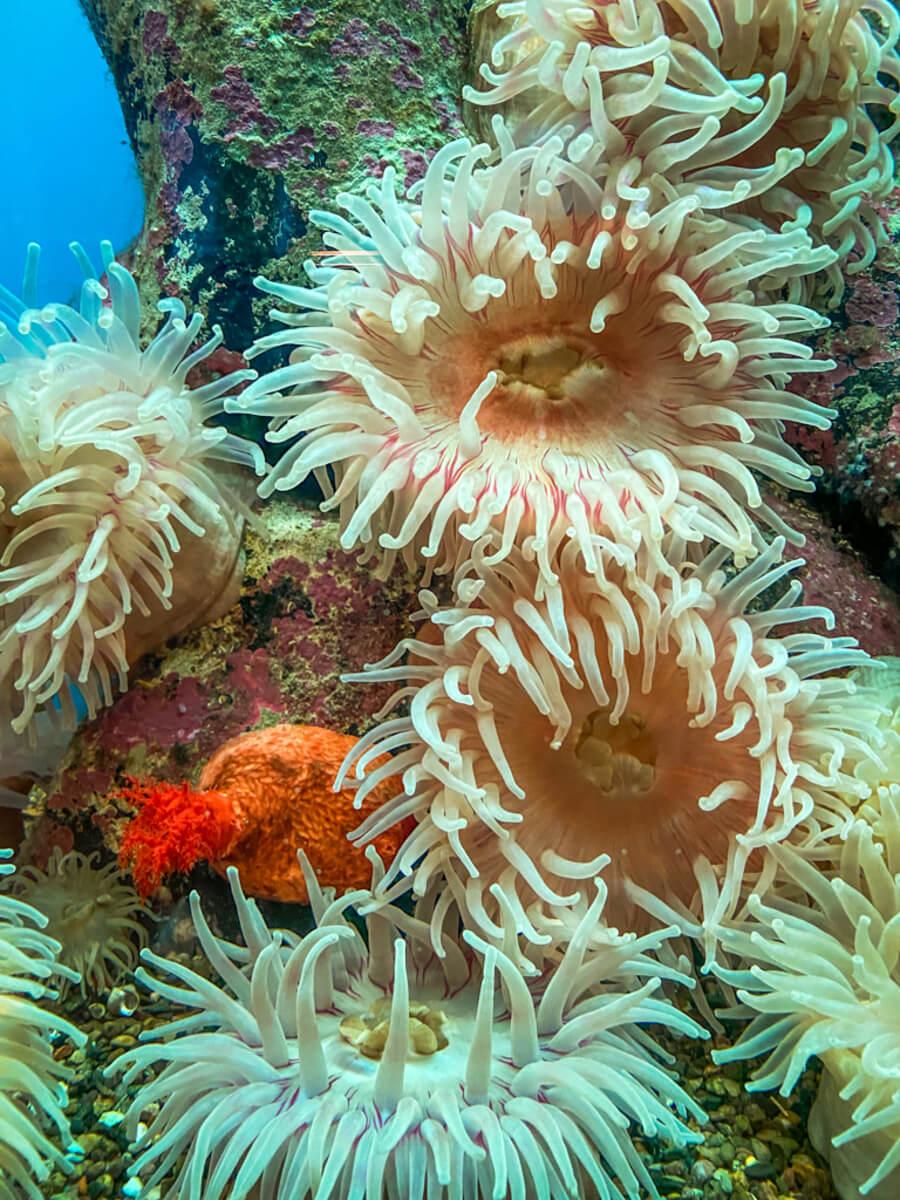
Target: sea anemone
x=31 y=1099
x=123 y=514
x=324 y=1068
x=666 y=723
x=823 y=978
x=529 y=354
x=91 y=912
x=764 y=106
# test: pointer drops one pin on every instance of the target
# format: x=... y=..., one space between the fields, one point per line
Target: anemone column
x=243 y=123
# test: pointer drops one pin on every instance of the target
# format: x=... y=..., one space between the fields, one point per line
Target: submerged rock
x=307 y=614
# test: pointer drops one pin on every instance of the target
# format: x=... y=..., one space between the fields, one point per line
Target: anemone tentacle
x=762 y=108
x=819 y=975
x=109 y=471
x=32 y=1099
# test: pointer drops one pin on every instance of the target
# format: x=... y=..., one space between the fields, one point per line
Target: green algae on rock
x=245 y=114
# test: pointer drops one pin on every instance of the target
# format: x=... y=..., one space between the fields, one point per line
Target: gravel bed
x=755 y=1148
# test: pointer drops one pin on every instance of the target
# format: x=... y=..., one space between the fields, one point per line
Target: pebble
x=123 y=1001
x=759 y=1170
x=723 y=1179
x=727 y=1152
x=112 y=1118
x=761 y=1150
x=702 y=1170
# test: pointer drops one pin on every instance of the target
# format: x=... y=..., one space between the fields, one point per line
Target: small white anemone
x=32 y=1097
x=821 y=976
x=325 y=1067
x=90 y=911
x=123 y=509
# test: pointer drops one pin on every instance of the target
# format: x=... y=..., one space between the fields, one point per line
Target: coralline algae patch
x=308 y=613
x=860 y=454
x=245 y=115
x=838 y=577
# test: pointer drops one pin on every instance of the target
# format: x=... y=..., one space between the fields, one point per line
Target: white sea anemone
x=31 y=1096
x=91 y=912
x=531 y=352
x=123 y=510
x=323 y=1067
x=667 y=723
x=822 y=977
x=765 y=106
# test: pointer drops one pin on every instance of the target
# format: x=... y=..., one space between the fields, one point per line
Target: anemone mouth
x=619 y=759
x=633 y=785
x=540 y=366
x=368 y=1032
x=601 y=370
x=555 y=384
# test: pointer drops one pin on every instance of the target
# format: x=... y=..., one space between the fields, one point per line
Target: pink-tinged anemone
x=820 y=976
x=328 y=1067
x=667 y=723
x=766 y=106
x=530 y=353
x=123 y=508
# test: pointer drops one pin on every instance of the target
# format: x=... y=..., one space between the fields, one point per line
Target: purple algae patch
x=240 y=99
x=277 y=155
x=406 y=79
x=178 y=103
x=301 y=22
x=156 y=38
x=372 y=128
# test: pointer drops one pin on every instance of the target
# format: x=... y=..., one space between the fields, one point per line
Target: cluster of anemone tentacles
x=31 y=1094
x=91 y=912
x=554 y=376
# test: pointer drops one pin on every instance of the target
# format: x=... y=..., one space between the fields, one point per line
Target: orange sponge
x=261 y=796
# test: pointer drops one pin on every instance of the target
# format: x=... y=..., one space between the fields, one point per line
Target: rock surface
x=245 y=115
x=859 y=491
x=308 y=613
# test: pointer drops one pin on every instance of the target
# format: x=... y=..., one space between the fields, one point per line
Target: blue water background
x=67 y=172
